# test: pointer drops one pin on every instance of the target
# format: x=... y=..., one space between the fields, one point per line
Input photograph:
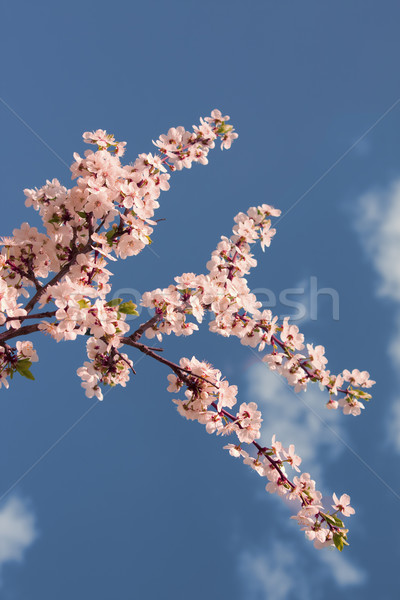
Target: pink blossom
x=249 y=419
x=343 y=505
x=292 y=458
x=109 y=214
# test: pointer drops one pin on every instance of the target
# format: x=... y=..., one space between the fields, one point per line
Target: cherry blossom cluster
x=207 y=397
x=320 y=525
x=107 y=215
x=109 y=367
x=16 y=360
x=224 y=292
x=58 y=282
x=206 y=390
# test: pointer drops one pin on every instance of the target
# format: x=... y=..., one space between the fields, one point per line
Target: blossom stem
x=56 y=277
x=41 y=315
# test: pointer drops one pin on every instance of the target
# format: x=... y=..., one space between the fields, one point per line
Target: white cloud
x=17 y=530
x=341 y=569
x=394 y=344
x=393 y=425
x=282 y=572
x=275 y=574
x=378 y=224
x=300 y=419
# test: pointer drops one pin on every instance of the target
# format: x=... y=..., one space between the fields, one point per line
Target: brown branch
x=126 y=361
x=12 y=333
x=56 y=277
x=150 y=352
x=42 y=315
x=136 y=335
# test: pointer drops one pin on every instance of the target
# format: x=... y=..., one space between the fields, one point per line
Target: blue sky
x=133 y=501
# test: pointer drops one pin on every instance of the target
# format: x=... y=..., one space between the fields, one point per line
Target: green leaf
x=81 y=213
x=110 y=236
x=22 y=367
x=328 y=518
x=24 y=361
x=114 y=302
x=338 y=541
x=333 y=520
x=338 y=522
x=54 y=219
x=128 y=308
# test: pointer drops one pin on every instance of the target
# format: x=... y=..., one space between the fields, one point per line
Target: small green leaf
x=328 y=518
x=128 y=308
x=54 y=219
x=24 y=363
x=81 y=213
x=333 y=520
x=22 y=367
x=338 y=541
x=114 y=302
x=110 y=236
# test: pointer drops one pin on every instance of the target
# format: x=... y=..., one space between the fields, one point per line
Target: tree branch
x=12 y=333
